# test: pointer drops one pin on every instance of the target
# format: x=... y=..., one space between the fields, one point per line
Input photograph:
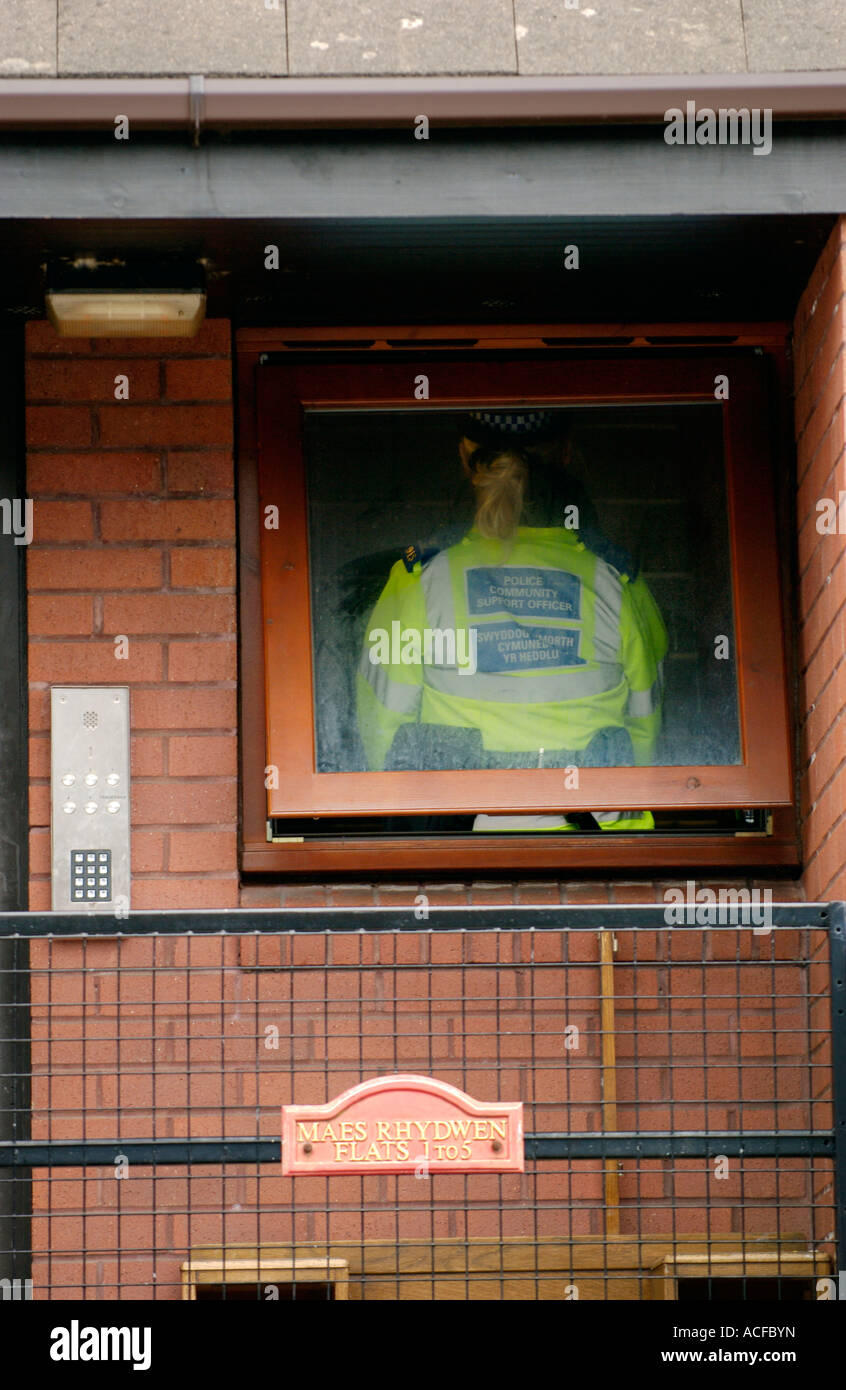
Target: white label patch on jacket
x=504 y=647
x=522 y=591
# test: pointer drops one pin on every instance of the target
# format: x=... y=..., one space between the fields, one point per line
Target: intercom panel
x=90 y=798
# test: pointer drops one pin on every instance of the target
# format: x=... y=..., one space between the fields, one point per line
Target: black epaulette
x=413 y=555
x=614 y=555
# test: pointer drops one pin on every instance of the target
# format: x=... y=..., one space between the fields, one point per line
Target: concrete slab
x=782 y=36
x=572 y=37
x=400 y=37
x=28 y=39
x=166 y=37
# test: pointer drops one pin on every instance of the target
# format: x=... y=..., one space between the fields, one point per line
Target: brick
x=639 y=945
x=446 y=948
x=39 y=851
x=579 y=894
x=201 y=473
x=824 y=875
x=52 y=379
x=62 y=521
x=52 y=615
x=210 y=380
x=819 y=275
x=304 y=895
x=213 y=339
x=184 y=709
x=827 y=305
x=174 y=803
x=483 y=947
x=39 y=804
x=58 y=426
x=491 y=894
x=97 y=568
x=39 y=708
x=202 y=568
x=396 y=895
x=82 y=663
x=39 y=756
x=821 y=588
x=819 y=617
x=821 y=778
x=169 y=613
x=162 y=424
x=818 y=478
x=410 y=948
x=823 y=560
x=202 y=661
x=93 y=474
x=545 y=945
x=148 y=847
x=259 y=953
x=825 y=709
x=203 y=850
x=826 y=656
x=582 y=946
x=825 y=370
x=160 y=894
x=208 y=756
x=445 y=894
x=167 y=520
x=41 y=336
x=261 y=895
x=828 y=403
x=350 y=895
x=146 y=756
x=40 y=895
x=824 y=726
x=309 y=950
x=538 y=894
x=631 y=894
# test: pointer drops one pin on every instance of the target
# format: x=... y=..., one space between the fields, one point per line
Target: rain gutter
x=301 y=102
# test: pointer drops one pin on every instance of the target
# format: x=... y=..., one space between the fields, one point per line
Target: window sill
x=595 y=853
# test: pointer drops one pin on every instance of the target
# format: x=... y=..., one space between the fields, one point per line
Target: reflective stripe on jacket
x=537 y=643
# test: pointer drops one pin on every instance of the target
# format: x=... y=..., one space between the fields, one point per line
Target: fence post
x=15 y=1186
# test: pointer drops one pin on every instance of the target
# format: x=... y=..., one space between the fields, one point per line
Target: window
x=511 y=1268
x=737 y=1275
x=264 y=1279
x=431 y=673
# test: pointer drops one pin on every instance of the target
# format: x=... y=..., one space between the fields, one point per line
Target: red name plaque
x=403 y=1124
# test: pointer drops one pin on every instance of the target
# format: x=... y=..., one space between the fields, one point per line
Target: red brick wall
x=134 y=534
x=820 y=384
x=700 y=1020
x=820 y=418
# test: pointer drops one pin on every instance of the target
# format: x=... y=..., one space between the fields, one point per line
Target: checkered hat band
x=513 y=421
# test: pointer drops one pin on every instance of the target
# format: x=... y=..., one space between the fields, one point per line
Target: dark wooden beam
x=614 y=173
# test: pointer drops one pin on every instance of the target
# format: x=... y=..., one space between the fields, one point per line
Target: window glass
x=589 y=623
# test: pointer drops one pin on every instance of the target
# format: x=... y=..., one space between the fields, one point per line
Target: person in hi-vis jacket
x=533 y=634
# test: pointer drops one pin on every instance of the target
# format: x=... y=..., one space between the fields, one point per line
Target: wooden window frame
x=662 y=1282
x=362 y=368
x=514 y=1268
x=229 y=1269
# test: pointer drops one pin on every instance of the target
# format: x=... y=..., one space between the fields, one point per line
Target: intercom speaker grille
x=91 y=719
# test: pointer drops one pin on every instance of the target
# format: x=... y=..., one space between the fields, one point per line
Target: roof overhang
x=469 y=224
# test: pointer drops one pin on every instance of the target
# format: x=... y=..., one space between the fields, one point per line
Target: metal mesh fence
x=677 y=1087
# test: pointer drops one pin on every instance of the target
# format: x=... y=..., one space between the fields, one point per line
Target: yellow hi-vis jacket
x=536 y=642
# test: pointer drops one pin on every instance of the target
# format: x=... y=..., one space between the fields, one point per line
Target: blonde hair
x=500 y=484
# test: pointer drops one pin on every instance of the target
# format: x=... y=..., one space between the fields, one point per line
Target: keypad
x=91 y=875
